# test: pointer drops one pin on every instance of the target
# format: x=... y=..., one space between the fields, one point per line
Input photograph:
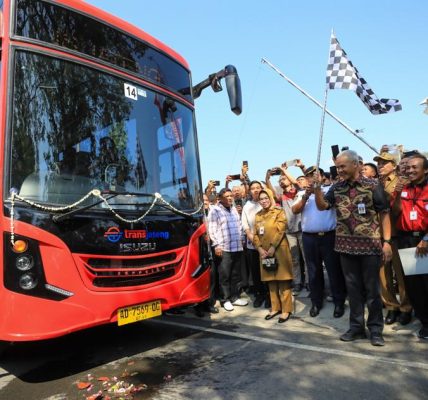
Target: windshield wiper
x=125 y=193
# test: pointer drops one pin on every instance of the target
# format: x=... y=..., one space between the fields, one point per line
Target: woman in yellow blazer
x=270 y=241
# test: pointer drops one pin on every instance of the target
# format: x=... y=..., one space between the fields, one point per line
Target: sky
x=386 y=41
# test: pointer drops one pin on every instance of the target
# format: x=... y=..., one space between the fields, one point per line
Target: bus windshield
x=75 y=129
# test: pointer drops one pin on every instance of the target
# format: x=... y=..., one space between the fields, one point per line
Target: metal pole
x=322 y=128
x=319 y=104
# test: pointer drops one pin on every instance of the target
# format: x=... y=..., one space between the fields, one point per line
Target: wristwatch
x=387 y=241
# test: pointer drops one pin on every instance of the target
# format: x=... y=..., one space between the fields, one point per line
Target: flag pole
x=322 y=127
x=352 y=131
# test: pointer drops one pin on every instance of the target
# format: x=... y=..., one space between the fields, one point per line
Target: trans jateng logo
x=114 y=234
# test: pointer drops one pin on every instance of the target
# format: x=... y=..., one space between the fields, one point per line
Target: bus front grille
x=122 y=272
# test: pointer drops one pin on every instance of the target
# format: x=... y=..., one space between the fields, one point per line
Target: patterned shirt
x=357 y=206
x=225 y=229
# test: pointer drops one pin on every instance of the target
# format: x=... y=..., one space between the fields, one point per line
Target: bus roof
x=84 y=7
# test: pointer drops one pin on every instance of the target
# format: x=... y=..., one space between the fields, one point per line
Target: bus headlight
x=24 y=263
x=23 y=270
x=27 y=281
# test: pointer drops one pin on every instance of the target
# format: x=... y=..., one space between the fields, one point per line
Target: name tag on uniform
x=403 y=194
x=361 y=208
x=413 y=215
x=262 y=230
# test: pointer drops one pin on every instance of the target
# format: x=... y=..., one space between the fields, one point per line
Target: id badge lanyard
x=413 y=212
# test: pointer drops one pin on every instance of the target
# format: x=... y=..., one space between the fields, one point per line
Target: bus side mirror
x=233 y=85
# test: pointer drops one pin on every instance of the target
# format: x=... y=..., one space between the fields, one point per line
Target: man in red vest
x=411 y=206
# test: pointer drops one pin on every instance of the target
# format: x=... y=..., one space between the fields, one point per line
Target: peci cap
x=312 y=169
x=386 y=157
x=410 y=153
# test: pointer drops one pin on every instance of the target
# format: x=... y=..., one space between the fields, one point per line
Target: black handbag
x=270 y=264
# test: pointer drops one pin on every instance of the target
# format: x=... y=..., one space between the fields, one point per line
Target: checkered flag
x=341 y=74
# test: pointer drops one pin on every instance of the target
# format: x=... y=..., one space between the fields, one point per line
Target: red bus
x=102 y=204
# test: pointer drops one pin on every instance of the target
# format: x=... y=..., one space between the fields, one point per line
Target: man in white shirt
x=318 y=242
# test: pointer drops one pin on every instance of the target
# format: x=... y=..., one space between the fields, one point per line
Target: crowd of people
x=351 y=223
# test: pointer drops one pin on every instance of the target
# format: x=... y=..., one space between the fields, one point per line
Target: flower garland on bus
x=157 y=197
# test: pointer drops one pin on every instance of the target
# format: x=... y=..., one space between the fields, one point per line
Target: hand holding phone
x=235 y=177
x=291 y=163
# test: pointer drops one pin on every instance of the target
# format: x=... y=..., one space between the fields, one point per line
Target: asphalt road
x=236 y=355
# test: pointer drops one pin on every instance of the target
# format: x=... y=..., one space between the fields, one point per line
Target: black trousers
x=253 y=261
x=363 y=284
x=416 y=285
x=246 y=278
x=318 y=249
x=214 y=280
x=230 y=275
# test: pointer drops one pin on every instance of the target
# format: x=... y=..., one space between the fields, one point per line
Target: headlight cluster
x=23 y=270
x=24 y=263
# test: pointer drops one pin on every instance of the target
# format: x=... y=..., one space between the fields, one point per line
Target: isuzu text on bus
x=102 y=217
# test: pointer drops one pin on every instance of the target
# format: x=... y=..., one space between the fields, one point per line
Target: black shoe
x=339 y=310
x=314 y=311
x=258 y=301
x=391 y=316
x=351 y=335
x=423 y=333
x=376 y=339
x=270 y=316
x=404 y=318
x=199 y=312
x=213 y=310
x=282 y=320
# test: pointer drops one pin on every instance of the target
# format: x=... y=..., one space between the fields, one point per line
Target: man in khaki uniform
x=398 y=310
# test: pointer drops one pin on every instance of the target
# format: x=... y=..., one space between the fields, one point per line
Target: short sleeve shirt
x=357 y=206
x=414 y=208
x=314 y=220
